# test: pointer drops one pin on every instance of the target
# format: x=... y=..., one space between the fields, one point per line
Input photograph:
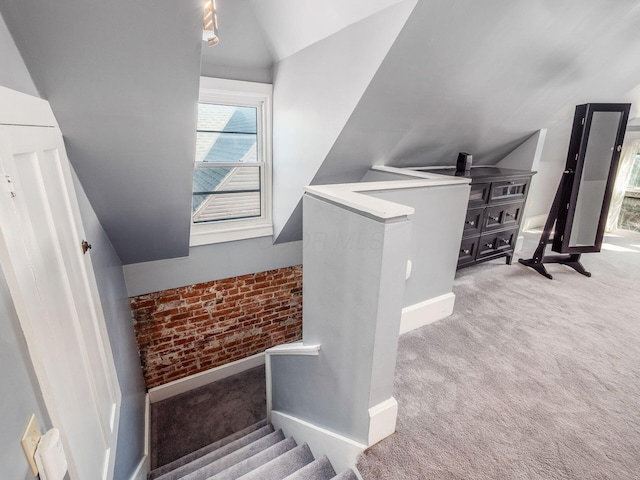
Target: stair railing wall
x=339 y=379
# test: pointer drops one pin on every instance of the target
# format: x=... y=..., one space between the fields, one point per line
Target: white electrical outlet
x=30 y=441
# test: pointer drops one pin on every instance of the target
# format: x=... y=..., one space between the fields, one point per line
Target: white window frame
x=246 y=94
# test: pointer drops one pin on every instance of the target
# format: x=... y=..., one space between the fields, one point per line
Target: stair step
x=234 y=441
x=218 y=460
x=283 y=466
x=346 y=475
x=238 y=469
x=316 y=470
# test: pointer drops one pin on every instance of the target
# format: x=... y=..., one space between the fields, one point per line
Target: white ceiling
x=292 y=25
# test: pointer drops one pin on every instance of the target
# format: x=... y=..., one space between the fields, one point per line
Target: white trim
x=142 y=470
x=295 y=348
x=207 y=236
x=144 y=466
x=182 y=385
x=259 y=95
x=341 y=451
x=427 y=175
x=534 y=222
x=147 y=425
x=268 y=387
x=21 y=109
x=429 y=311
x=354 y=195
x=382 y=420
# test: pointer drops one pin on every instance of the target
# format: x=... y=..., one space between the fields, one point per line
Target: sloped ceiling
x=481 y=77
x=122 y=78
x=290 y=26
x=242 y=53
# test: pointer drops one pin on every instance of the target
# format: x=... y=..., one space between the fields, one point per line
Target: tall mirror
x=578 y=214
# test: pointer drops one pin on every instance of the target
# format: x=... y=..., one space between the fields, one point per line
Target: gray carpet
x=529 y=379
x=192 y=420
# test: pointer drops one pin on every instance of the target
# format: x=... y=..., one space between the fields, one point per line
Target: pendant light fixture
x=210 y=34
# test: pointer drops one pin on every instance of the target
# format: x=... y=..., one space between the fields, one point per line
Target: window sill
x=209 y=234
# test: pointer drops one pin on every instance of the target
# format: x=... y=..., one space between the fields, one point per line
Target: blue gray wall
x=211 y=262
x=354 y=270
x=435 y=237
x=20 y=394
x=117 y=312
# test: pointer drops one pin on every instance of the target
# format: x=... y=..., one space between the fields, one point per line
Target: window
x=232 y=173
x=629 y=216
x=634 y=176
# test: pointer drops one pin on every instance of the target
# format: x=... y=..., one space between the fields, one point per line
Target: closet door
x=53 y=287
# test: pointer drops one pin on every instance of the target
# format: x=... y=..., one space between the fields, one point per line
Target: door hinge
x=12 y=192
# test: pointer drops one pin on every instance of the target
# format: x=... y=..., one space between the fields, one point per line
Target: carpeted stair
x=256 y=453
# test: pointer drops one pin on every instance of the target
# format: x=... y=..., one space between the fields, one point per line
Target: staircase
x=256 y=453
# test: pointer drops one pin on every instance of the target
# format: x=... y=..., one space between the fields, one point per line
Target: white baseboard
x=182 y=385
x=534 y=222
x=382 y=420
x=429 y=311
x=143 y=468
x=147 y=425
x=341 y=451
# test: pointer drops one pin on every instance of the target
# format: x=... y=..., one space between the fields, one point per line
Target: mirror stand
x=539 y=259
x=578 y=214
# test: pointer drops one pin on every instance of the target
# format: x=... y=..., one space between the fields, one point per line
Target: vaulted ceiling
x=356 y=83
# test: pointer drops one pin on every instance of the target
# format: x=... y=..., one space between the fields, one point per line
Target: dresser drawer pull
x=489 y=245
x=505 y=241
x=508 y=214
x=471 y=222
x=494 y=218
x=466 y=251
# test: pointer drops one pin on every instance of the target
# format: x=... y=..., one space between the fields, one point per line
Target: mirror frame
x=574 y=167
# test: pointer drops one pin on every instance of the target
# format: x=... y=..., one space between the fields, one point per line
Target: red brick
x=191 y=329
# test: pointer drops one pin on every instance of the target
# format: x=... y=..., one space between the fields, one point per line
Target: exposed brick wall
x=191 y=329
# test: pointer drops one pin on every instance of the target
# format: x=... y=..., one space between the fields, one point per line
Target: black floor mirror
x=578 y=215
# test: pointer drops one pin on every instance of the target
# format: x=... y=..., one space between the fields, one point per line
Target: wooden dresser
x=496 y=206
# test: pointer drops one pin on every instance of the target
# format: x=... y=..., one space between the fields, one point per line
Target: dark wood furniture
x=496 y=206
x=578 y=215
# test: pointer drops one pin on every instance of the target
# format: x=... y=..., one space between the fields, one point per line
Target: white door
x=53 y=287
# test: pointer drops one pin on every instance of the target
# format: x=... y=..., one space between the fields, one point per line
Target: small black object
x=464 y=162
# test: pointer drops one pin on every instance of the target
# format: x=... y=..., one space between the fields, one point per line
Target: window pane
x=225 y=118
x=226 y=147
x=634 y=178
x=228 y=206
x=224 y=193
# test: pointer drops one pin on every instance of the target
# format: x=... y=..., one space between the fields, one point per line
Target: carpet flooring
x=192 y=420
x=530 y=378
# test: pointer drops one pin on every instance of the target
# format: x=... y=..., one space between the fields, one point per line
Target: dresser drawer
x=497 y=242
x=479 y=194
x=468 y=249
x=508 y=190
x=473 y=222
x=502 y=216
